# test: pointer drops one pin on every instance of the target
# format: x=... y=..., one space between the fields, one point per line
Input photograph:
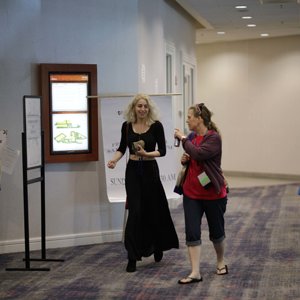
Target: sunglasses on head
x=199 y=108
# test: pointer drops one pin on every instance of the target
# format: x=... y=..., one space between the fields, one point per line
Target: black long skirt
x=149 y=226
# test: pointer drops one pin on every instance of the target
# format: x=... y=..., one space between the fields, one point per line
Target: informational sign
x=3 y=143
x=32 y=129
x=9 y=159
x=69 y=110
x=70 y=132
x=112 y=109
x=8 y=156
x=3 y=140
x=69 y=113
x=69 y=96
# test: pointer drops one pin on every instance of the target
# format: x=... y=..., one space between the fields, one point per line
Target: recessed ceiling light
x=251 y=25
x=221 y=32
x=264 y=34
x=246 y=17
x=241 y=7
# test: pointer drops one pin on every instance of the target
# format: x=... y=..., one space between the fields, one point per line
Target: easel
x=32 y=111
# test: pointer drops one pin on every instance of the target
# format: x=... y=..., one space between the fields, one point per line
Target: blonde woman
x=149 y=228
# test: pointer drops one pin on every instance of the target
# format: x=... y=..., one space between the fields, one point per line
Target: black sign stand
x=26 y=182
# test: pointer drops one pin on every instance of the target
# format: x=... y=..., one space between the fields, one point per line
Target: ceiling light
x=246 y=17
x=241 y=7
x=264 y=34
x=221 y=32
x=251 y=25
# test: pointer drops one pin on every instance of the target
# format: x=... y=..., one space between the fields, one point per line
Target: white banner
x=112 y=119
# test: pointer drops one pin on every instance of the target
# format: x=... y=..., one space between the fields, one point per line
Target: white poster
x=3 y=140
x=3 y=143
x=33 y=131
x=69 y=96
x=8 y=156
x=70 y=132
x=112 y=119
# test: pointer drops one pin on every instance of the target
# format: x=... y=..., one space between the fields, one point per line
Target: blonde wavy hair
x=130 y=115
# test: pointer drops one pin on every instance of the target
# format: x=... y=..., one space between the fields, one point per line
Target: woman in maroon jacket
x=204 y=188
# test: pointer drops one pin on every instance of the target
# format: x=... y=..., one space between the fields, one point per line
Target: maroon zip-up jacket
x=209 y=153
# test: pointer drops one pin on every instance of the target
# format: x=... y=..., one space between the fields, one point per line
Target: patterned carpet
x=262 y=253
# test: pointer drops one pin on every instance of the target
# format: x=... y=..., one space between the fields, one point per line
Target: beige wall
x=253 y=88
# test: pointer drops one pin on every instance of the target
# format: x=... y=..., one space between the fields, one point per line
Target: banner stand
x=41 y=166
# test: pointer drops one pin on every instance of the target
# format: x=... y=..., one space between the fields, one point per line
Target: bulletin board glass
x=70 y=118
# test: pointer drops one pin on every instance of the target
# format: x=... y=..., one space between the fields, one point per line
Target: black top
x=154 y=135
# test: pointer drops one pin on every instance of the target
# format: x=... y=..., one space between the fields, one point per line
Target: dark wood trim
x=45 y=71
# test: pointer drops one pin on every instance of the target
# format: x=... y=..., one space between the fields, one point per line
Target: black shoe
x=131 y=266
x=158 y=255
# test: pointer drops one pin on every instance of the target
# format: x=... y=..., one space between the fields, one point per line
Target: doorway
x=188 y=89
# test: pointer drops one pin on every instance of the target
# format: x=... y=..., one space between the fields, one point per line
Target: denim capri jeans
x=193 y=212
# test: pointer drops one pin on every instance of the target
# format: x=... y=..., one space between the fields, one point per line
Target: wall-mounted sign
x=70 y=118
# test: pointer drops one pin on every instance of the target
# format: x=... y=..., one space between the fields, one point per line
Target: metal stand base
x=45 y=259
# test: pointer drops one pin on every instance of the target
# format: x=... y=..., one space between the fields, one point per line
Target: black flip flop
x=191 y=280
x=221 y=269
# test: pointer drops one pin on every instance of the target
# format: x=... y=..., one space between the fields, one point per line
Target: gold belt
x=136 y=157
